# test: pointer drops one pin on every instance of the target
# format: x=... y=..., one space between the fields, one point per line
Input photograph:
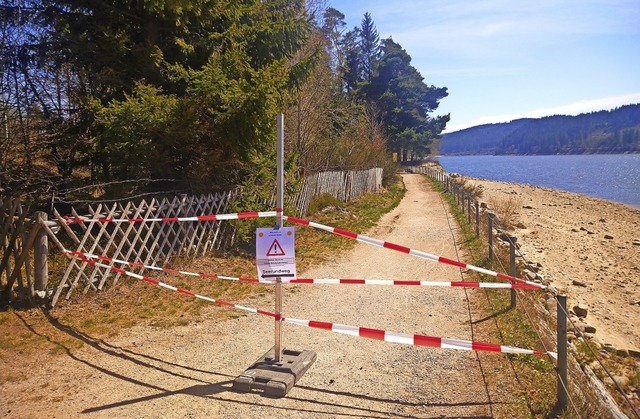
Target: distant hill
x=602 y=132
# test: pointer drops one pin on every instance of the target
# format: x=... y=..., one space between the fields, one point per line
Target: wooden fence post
x=6 y=292
x=477 y=219
x=563 y=385
x=512 y=266
x=469 y=209
x=491 y=216
x=12 y=275
x=41 y=252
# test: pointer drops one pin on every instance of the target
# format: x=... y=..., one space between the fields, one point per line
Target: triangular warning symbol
x=275 y=249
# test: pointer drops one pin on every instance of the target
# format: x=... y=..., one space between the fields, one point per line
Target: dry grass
x=507 y=211
x=493 y=321
x=472 y=189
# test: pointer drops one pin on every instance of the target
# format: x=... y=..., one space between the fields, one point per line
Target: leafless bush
x=474 y=190
x=506 y=210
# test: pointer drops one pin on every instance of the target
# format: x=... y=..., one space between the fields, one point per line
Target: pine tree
x=405 y=101
x=353 y=67
x=369 y=47
x=333 y=28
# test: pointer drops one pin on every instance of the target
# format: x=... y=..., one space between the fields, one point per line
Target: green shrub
x=321 y=202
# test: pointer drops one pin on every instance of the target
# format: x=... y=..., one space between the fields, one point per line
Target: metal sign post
x=277 y=371
x=279 y=209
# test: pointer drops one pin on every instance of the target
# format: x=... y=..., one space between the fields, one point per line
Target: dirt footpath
x=186 y=372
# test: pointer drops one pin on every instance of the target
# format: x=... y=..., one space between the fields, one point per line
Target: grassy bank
x=495 y=321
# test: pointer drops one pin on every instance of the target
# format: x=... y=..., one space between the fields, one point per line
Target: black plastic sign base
x=275 y=379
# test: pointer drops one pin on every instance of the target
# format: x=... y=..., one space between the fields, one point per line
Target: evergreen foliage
x=613 y=131
x=112 y=91
x=369 y=47
x=185 y=90
x=405 y=101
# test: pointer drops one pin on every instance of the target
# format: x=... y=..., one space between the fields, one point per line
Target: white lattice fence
x=150 y=243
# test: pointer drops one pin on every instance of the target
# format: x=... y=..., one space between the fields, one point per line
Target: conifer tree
x=405 y=101
x=176 y=89
x=353 y=67
x=369 y=47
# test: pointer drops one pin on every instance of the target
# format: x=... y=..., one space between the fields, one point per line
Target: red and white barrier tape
x=461 y=284
x=407 y=250
x=170 y=287
x=199 y=218
x=84 y=255
x=378 y=334
x=331 y=281
x=417 y=340
x=334 y=230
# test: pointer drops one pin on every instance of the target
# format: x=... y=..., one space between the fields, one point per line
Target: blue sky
x=503 y=60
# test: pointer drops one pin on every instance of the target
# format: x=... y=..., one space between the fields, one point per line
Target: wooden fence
x=149 y=243
x=15 y=240
x=344 y=186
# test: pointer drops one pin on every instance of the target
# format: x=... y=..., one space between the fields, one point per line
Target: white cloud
x=562 y=15
x=499 y=27
x=575 y=108
x=487 y=50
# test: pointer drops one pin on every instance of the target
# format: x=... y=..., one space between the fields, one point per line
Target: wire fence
x=584 y=392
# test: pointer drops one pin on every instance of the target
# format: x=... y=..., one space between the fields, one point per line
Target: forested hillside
x=613 y=131
x=110 y=99
x=481 y=139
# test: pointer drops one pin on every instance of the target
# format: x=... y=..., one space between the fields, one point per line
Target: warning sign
x=275 y=253
x=275 y=249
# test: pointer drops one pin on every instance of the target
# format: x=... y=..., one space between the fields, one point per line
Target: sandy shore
x=585 y=247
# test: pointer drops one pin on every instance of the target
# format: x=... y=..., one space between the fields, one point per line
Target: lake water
x=612 y=177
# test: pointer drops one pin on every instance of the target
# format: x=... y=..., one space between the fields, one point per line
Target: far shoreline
x=550 y=189
x=612 y=177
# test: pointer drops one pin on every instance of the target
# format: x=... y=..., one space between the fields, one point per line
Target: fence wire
x=588 y=403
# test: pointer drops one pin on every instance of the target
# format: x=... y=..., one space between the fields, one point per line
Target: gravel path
x=186 y=372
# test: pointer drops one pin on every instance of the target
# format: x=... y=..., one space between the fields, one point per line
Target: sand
x=586 y=249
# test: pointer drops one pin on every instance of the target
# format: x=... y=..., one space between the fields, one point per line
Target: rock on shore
x=586 y=247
